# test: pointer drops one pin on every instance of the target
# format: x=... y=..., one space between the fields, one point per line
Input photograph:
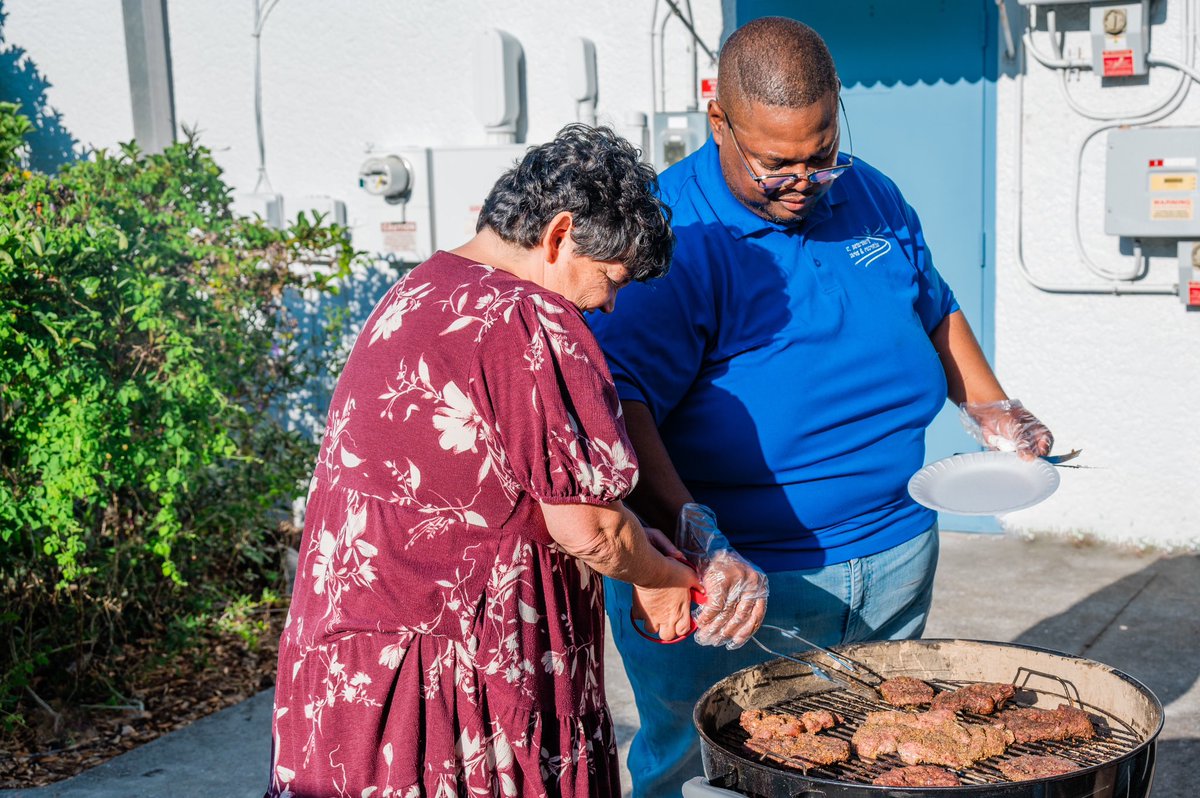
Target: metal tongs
x=857 y=669
x=1059 y=459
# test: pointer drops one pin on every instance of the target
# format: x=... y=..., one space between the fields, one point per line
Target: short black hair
x=600 y=179
x=776 y=61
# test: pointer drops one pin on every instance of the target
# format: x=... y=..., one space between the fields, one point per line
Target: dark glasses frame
x=778 y=181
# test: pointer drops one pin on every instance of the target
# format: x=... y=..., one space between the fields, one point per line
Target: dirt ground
x=165 y=696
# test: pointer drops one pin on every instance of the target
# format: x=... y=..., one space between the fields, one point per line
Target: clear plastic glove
x=735 y=589
x=1006 y=426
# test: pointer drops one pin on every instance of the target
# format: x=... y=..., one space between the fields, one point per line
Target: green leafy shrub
x=146 y=345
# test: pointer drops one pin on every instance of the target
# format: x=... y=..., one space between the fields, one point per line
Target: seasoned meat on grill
x=917 y=776
x=936 y=737
x=1030 y=725
x=802 y=750
x=793 y=740
x=818 y=719
x=763 y=724
x=1030 y=766
x=982 y=698
x=906 y=691
x=759 y=723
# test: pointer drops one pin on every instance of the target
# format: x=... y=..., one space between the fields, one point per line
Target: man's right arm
x=660 y=492
x=736 y=589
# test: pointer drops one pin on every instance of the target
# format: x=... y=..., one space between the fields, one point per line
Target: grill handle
x=699 y=787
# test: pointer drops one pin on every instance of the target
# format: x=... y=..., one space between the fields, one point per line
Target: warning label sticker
x=399 y=237
x=1193 y=293
x=708 y=88
x=1179 y=181
x=1164 y=210
x=1118 y=63
x=1181 y=162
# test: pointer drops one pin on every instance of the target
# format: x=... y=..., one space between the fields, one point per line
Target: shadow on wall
x=1146 y=625
x=50 y=144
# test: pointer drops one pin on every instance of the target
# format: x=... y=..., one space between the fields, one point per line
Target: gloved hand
x=1006 y=426
x=735 y=589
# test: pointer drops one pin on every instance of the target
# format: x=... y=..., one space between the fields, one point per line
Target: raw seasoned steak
x=802 y=750
x=1030 y=766
x=906 y=691
x=760 y=723
x=1030 y=725
x=764 y=724
x=935 y=737
x=917 y=776
x=818 y=719
x=982 y=698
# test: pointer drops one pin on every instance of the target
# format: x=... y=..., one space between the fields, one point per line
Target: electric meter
x=389 y=177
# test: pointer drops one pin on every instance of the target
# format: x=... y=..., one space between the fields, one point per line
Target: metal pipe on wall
x=151 y=86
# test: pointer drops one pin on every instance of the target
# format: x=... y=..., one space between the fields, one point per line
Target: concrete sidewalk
x=1138 y=613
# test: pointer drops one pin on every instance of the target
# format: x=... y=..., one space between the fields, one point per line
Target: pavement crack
x=1116 y=615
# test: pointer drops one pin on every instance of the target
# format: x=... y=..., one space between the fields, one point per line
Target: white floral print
x=436 y=630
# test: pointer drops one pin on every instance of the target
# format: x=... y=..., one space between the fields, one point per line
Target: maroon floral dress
x=439 y=643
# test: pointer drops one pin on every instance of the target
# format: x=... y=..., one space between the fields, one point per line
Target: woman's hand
x=667 y=611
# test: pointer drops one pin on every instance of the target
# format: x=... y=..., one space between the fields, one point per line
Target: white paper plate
x=983 y=483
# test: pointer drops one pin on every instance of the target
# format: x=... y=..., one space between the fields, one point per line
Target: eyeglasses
x=776 y=182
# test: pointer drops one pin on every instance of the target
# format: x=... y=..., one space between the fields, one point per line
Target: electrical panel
x=330 y=210
x=462 y=178
x=396 y=221
x=426 y=198
x=268 y=207
x=1120 y=38
x=1151 y=188
x=1189 y=273
x=677 y=135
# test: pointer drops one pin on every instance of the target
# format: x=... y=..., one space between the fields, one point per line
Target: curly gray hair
x=597 y=177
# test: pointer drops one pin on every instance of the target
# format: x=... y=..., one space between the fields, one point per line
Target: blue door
x=919 y=87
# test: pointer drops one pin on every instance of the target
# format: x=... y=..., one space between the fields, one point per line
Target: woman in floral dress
x=446 y=630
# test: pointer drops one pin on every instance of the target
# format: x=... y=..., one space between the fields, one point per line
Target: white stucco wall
x=1115 y=375
x=1111 y=374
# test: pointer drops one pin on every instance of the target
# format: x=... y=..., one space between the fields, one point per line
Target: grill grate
x=1113 y=739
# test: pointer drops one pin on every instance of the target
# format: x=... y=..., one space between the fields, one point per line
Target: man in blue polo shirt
x=783 y=374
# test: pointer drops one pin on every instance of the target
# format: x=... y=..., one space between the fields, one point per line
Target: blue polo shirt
x=790 y=369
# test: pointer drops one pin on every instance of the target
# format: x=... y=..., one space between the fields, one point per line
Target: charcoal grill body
x=1119 y=763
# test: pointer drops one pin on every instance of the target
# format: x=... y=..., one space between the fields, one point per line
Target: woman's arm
x=611 y=540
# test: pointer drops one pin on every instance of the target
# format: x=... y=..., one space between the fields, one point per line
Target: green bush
x=146 y=347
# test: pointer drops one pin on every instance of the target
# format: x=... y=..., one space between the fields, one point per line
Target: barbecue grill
x=1117 y=763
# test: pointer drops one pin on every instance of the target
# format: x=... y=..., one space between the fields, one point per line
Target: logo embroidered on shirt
x=867 y=249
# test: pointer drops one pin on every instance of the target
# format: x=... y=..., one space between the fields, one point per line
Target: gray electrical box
x=1120 y=38
x=677 y=135
x=1151 y=190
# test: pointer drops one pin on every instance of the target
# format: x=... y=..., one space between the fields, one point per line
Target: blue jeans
x=885 y=596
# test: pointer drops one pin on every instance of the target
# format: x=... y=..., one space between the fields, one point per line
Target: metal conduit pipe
x=695 y=103
x=1115 y=287
x=653 y=65
x=1141 y=263
x=1057 y=61
x=1119 y=284
x=662 y=60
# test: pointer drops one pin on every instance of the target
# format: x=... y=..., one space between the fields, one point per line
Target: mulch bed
x=221 y=671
